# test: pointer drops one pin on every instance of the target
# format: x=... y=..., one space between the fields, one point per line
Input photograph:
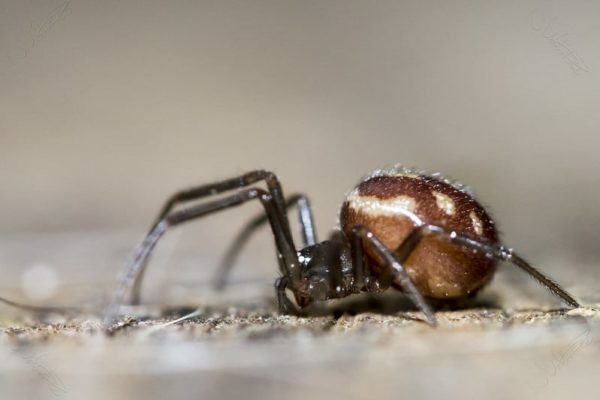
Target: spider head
x=321 y=266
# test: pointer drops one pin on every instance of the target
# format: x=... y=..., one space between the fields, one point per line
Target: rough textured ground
x=513 y=343
x=257 y=354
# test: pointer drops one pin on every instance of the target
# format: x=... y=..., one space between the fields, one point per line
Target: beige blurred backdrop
x=107 y=107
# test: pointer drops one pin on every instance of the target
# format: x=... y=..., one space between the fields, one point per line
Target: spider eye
x=303 y=259
x=306 y=256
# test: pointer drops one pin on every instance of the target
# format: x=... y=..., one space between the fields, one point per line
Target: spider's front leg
x=285 y=246
x=306 y=220
x=284 y=304
x=210 y=189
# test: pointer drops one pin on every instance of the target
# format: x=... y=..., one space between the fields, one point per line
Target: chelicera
x=419 y=233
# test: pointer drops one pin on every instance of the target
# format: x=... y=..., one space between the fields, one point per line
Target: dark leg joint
x=284 y=303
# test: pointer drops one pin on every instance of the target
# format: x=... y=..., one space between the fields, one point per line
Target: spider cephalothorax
x=402 y=228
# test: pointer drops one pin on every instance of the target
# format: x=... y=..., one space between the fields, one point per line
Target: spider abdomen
x=392 y=203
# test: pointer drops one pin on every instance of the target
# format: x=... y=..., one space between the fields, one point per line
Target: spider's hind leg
x=500 y=253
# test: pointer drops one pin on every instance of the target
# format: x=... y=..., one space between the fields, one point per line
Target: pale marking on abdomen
x=377 y=207
x=444 y=202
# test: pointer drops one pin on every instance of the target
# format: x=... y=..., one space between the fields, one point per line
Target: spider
x=420 y=233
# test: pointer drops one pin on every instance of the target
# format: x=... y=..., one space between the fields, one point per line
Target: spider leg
x=39 y=309
x=284 y=303
x=306 y=224
x=498 y=252
x=210 y=189
x=360 y=266
x=285 y=247
x=364 y=237
x=238 y=182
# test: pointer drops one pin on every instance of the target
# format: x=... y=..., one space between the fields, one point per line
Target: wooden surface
x=514 y=343
x=108 y=107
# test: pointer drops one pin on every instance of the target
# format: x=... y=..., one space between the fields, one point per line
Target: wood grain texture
x=513 y=344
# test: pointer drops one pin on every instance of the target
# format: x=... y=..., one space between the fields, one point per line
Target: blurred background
x=108 y=107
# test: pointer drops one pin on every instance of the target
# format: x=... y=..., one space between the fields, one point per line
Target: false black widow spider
x=420 y=233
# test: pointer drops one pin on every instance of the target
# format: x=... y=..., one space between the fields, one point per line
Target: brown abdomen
x=391 y=205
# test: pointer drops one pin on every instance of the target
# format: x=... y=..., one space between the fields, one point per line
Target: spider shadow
x=393 y=304
x=389 y=303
